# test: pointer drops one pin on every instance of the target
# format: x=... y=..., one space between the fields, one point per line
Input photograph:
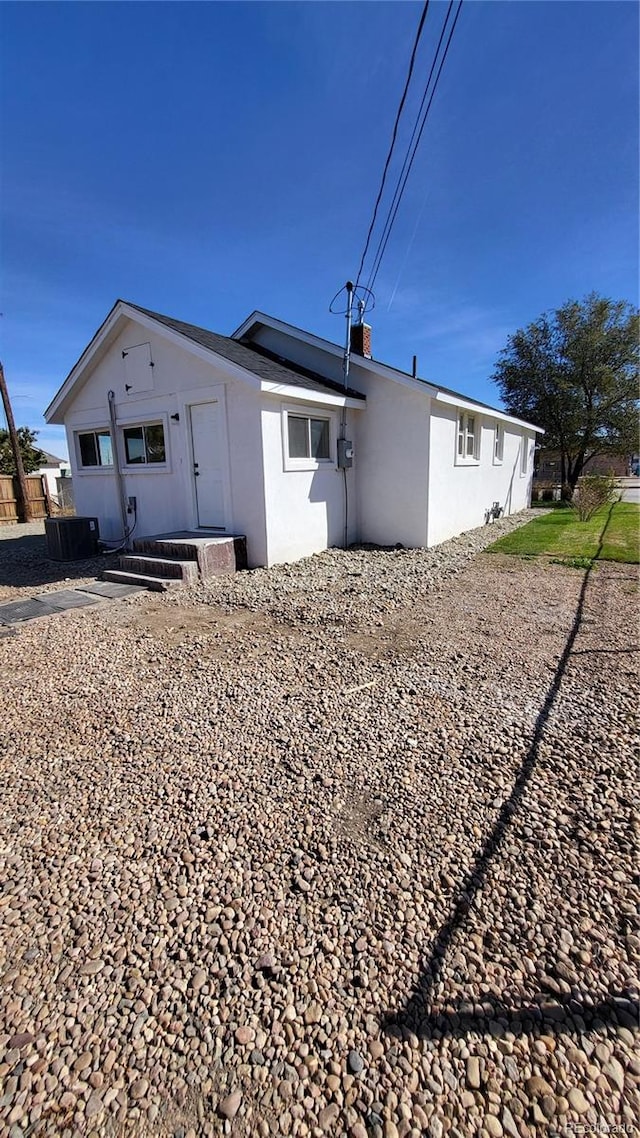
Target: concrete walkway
x=630 y=489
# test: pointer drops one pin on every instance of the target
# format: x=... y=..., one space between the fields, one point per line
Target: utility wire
x=392 y=217
x=407 y=251
x=412 y=139
x=393 y=137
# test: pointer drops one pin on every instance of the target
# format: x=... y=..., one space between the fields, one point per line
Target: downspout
x=116 y=467
x=343 y=417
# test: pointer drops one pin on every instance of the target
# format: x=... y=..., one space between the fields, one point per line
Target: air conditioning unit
x=71 y=539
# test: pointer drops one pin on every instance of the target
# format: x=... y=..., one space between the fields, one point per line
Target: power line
x=393 y=137
x=391 y=217
x=411 y=140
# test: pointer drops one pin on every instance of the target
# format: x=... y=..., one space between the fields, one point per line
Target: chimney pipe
x=415 y=367
x=361 y=340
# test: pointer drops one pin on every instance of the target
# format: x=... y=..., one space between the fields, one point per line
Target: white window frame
x=524 y=456
x=100 y=468
x=144 y=467
x=498 y=444
x=463 y=433
x=305 y=412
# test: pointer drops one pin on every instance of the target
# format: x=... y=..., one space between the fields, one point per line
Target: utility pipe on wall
x=343 y=418
x=116 y=466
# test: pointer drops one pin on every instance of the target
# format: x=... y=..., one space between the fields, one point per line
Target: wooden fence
x=37 y=494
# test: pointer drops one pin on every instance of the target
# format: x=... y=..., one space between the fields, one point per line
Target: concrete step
x=159 y=566
x=214 y=553
x=157 y=584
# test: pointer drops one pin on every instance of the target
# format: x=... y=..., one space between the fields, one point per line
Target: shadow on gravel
x=417 y=1015
x=24 y=563
x=608 y=651
x=564 y=1016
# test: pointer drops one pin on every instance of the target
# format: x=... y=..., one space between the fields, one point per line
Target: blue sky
x=206 y=159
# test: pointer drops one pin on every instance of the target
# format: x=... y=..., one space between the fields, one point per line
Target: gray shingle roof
x=52 y=459
x=254 y=358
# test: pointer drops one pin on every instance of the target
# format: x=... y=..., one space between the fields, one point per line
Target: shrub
x=592 y=492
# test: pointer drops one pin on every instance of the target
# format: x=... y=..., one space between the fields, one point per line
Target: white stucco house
x=52 y=469
x=172 y=428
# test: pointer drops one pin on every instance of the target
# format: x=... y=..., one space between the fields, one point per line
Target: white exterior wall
x=461 y=493
x=304 y=508
x=166 y=497
x=392 y=463
x=391 y=445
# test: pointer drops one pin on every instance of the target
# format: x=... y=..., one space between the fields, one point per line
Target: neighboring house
x=53 y=469
x=239 y=434
x=548 y=466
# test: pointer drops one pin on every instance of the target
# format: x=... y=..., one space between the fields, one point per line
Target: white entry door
x=208 y=471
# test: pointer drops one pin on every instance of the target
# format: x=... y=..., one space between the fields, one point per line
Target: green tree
x=575 y=372
x=32 y=456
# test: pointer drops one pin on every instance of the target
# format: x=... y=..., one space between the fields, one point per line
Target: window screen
x=298 y=436
x=471 y=446
x=319 y=438
x=308 y=438
x=105 y=450
x=154 y=443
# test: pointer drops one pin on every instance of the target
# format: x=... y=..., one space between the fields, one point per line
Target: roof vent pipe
x=414 y=369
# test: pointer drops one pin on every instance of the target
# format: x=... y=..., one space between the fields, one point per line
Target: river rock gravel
x=26 y=570
x=338 y=848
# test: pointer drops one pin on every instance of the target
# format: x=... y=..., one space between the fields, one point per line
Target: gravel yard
x=338 y=848
x=25 y=568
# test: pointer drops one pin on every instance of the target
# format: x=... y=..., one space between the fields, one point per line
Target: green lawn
x=612 y=534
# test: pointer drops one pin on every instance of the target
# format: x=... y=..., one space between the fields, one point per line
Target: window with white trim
x=498 y=443
x=308 y=437
x=524 y=455
x=144 y=444
x=468 y=437
x=94 y=448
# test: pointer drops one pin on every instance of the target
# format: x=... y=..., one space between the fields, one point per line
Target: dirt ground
x=334 y=849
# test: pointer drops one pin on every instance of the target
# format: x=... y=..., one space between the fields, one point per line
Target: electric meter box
x=345 y=454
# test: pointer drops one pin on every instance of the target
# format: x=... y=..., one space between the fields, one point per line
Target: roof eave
x=54 y=412
x=311 y=395
x=484 y=409
x=417 y=384
x=121 y=309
